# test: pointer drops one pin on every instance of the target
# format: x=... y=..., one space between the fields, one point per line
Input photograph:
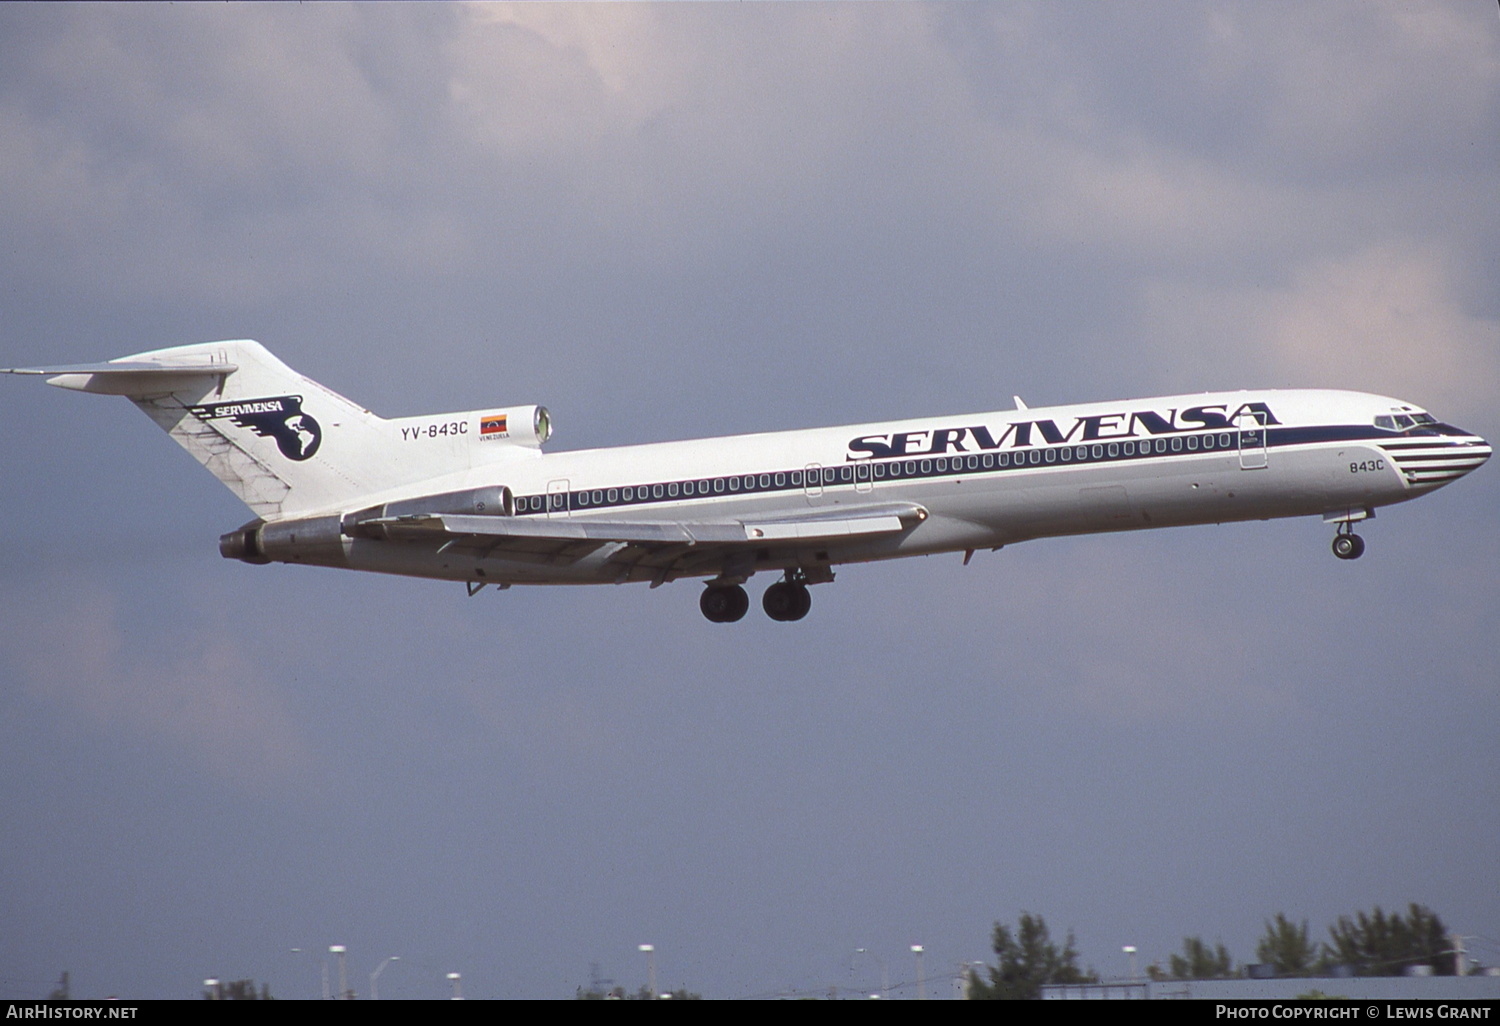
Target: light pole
x=1129 y=950
x=918 y=950
x=885 y=976
x=342 y=953
x=212 y=984
x=458 y=994
x=322 y=968
x=375 y=976
x=650 y=951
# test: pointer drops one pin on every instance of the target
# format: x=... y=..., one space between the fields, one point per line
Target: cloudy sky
x=686 y=220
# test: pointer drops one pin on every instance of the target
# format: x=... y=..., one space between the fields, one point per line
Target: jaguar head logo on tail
x=297 y=434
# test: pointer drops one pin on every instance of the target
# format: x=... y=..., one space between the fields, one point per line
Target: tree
x=1286 y=948
x=598 y=993
x=1025 y=961
x=1200 y=962
x=1385 y=945
x=239 y=990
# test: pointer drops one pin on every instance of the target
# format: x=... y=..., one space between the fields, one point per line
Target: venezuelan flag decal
x=492 y=425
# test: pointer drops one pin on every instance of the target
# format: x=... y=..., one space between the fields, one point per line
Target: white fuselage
x=472 y=497
x=984 y=480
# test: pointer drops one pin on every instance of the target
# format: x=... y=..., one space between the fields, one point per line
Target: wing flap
x=821 y=530
x=783 y=525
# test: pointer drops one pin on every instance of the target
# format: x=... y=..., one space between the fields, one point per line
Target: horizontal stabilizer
x=127 y=377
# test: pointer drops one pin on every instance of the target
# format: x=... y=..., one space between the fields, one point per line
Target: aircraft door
x=1252 y=438
x=812 y=483
x=557 y=498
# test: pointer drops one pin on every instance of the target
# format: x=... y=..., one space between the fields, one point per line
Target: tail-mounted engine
x=492 y=501
x=323 y=540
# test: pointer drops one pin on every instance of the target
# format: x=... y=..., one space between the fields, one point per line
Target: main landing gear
x=724 y=603
x=786 y=600
x=1347 y=544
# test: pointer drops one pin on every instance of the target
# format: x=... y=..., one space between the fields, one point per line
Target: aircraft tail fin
x=280 y=441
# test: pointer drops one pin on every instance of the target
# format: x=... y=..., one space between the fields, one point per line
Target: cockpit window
x=1405 y=421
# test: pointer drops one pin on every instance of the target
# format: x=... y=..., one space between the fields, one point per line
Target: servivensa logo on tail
x=297 y=434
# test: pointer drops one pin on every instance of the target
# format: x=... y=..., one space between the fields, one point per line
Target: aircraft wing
x=671 y=546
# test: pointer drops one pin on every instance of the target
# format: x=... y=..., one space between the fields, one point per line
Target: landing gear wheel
x=786 y=601
x=724 y=603
x=1348 y=546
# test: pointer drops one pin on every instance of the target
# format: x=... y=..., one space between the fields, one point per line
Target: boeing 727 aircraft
x=472 y=497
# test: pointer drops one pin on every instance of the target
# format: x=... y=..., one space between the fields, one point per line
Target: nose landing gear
x=1347 y=544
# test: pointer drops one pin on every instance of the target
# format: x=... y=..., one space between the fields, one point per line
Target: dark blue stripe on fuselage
x=886 y=470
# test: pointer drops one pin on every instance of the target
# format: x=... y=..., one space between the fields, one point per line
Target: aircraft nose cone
x=1482 y=449
x=1476 y=449
x=1430 y=461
